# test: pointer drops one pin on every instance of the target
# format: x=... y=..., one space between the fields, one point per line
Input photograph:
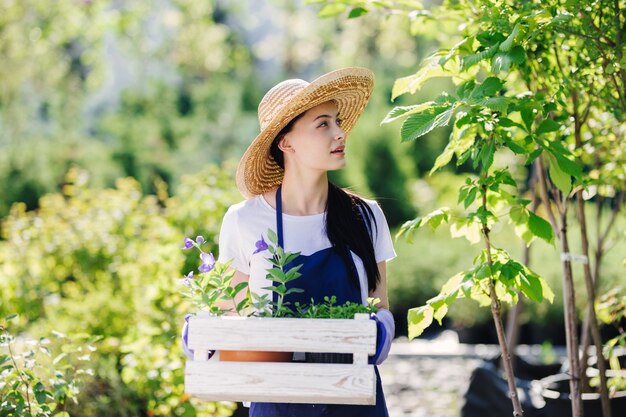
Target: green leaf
x=419 y=319
x=500 y=62
x=569 y=166
x=430 y=69
x=272 y=237
x=240 y=286
x=517 y=149
x=509 y=41
x=496 y=103
x=560 y=178
x=471 y=197
x=402 y=111
x=540 y=227
x=466 y=228
x=276 y=275
x=530 y=287
x=489 y=87
x=408 y=228
x=41 y=397
x=434 y=218
x=473 y=59
x=330 y=10
x=547 y=126
x=528 y=113
x=464 y=91
x=418 y=125
x=486 y=154
x=517 y=55
x=444 y=158
x=356 y=12
x=460 y=141
x=483 y=272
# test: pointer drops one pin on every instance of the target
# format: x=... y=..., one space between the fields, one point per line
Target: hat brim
x=350 y=88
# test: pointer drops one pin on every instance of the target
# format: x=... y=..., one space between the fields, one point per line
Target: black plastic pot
x=556 y=394
x=328 y=357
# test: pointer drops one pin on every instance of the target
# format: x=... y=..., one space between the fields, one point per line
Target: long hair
x=348 y=222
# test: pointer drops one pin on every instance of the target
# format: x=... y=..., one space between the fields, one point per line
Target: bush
x=106 y=262
x=39 y=377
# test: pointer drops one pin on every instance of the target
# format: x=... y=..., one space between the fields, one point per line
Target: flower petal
x=188 y=244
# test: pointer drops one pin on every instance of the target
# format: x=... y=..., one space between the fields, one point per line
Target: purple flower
x=200 y=240
x=261 y=245
x=188 y=244
x=186 y=280
x=208 y=262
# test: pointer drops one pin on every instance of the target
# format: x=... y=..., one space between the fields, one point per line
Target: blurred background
x=121 y=123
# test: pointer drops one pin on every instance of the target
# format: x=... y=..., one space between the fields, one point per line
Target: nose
x=340 y=134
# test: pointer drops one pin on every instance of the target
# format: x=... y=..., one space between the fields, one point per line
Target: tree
x=529 y=76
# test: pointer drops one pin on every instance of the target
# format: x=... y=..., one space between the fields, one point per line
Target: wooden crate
x=293 y=382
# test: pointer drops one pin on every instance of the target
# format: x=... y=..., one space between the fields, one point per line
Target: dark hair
x=348 y=221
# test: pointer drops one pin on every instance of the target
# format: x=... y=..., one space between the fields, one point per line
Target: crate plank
x=283 y=334
x=281 y=382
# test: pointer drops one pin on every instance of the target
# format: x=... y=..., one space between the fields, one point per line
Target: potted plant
x=230 y=322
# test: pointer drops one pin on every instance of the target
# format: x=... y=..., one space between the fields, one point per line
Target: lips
x=339 y=149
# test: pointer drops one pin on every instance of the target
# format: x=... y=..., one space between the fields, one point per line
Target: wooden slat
x=281 y=382
x=283 y=334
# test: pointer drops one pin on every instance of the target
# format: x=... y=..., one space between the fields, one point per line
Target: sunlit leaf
x=430 y=69
x=540 y=227
x=561 y=179
x=419 y=319
x=403 y=111
x=417 y=125
x=548 y=126
x=332 y=9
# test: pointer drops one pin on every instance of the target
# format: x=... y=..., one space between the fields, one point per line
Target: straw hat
x=349 y=87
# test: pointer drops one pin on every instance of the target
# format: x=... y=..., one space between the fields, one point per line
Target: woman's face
x=316 y=139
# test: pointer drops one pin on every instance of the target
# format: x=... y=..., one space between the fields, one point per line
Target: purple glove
x=189 y=352
x=385 y=332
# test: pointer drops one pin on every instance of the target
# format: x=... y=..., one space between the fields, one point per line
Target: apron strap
x=279 y=216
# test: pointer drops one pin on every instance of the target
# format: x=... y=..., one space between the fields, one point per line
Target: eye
x=323 y=124
x=339 y=122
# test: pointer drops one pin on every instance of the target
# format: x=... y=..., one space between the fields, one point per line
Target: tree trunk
x=591 y=313
x=496 y=311
x=569 y=306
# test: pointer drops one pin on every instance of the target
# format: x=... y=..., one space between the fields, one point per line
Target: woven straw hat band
x=349 y=88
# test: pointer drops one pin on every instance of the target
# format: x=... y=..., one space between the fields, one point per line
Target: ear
x=284 y=144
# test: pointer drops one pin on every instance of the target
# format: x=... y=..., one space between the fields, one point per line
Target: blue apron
x=324 y=273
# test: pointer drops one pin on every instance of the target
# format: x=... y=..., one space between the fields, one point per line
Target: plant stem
x=591 y=293
x=497 y=319
x=513 y=320
x=591 y=314
x=19 y=373
x=568 y=294
x=569 y=304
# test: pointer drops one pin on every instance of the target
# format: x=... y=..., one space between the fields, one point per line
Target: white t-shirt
x=246 y=222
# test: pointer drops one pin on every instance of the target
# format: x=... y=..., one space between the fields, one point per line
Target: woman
x=343 y=239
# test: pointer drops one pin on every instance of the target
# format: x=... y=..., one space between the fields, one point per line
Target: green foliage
x=39 y=377
x=104 y=262
x=328 y=309
x=510 y=277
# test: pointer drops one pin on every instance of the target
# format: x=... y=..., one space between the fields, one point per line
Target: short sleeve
x=230 y=244
x=383 y=244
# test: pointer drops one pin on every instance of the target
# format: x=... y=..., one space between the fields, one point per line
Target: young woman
x=343 y=239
